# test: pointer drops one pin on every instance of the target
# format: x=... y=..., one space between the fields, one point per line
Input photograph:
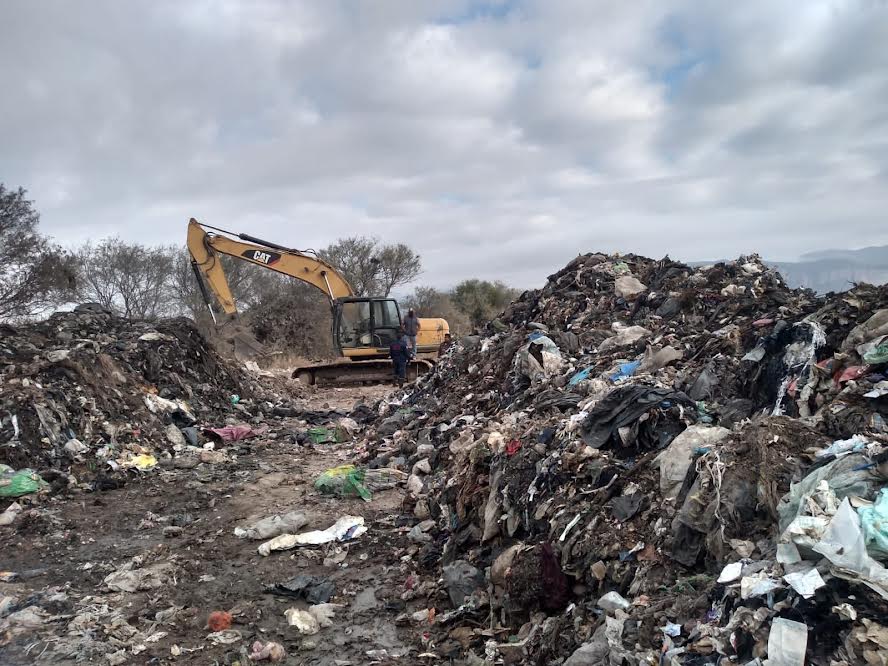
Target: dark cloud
x=499 y=138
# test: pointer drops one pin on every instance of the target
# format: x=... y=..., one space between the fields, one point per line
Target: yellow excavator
x=363 y=326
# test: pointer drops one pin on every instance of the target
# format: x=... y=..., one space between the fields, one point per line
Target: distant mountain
x=836 y=270
x=831 y=270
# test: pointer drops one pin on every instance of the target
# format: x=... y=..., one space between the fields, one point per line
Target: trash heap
x=86 y=395
x=645 y=462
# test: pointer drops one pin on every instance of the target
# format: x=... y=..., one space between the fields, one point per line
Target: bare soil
x=60 y=551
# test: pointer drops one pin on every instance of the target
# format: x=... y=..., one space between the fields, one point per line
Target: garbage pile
x=86 y=396
x=648 y=463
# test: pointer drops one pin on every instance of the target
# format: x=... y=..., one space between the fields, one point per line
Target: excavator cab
x=365 y=326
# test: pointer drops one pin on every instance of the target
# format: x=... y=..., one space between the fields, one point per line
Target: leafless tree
x=130 y=279
x=398 y=265
x=34 y=272
x=372 y=269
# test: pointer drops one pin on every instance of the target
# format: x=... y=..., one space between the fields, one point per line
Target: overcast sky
x=498 y=138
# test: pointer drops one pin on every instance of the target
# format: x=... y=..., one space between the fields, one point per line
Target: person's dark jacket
x=399 y=351
x=411 y=325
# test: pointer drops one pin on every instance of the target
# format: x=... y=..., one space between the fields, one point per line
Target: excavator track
x=343 y=373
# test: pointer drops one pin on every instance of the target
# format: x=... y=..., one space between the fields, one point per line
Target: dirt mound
x=616 y=438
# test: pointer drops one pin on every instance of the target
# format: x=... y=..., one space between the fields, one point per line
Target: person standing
x=400 y=352
x=444 y=346
x=411 y=328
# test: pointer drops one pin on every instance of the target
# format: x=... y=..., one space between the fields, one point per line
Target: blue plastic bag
x=581 y=376
x=626 y=370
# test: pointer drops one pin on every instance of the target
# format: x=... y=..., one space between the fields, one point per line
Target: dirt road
x=177 y=525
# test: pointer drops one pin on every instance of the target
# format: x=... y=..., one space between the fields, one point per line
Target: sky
x=499 y=139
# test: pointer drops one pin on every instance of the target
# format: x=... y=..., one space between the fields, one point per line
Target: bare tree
x=372 y=269
x=186 y=295
x=398 y=265
x=34 y=273
x=355 y=258
x=130 y=279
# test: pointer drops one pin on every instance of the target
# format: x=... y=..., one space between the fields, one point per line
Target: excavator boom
x=205 y=248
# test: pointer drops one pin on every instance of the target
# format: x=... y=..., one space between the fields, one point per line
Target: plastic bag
x=273 y=526
x=581 y=376
x=874 y=523
x=22 y=482
x=142 y=461
x=345 y=481
x=843 y=545
x=787 y=643
x=625 y=371
x=321 y=435
x=344 y=529
x=539 y=358
x=877 y=355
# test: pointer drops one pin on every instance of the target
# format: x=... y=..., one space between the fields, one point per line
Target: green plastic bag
x=874 y=523
x=877 y=355
x=22 y=482
x=321 y=435
x=345 y=481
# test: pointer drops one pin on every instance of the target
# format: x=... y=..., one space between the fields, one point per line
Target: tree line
x=150 y=281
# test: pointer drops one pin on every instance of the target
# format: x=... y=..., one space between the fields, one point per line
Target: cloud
x=498 y=138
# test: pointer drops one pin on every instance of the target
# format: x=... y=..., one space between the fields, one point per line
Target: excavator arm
x=205 y=249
